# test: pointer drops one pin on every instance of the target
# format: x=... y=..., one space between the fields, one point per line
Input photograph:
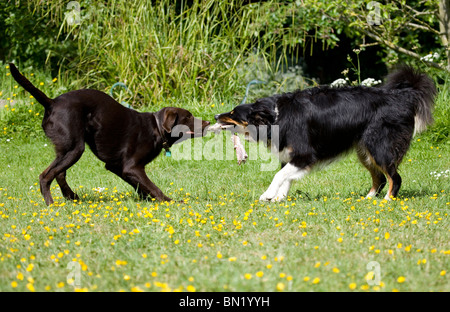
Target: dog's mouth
x=218 y=126
x=199 y=132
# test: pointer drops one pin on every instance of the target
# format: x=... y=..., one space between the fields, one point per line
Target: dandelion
x=259 y=274
x=352 y=286
x=316 y=280
x=247 y=276
x=401 y=279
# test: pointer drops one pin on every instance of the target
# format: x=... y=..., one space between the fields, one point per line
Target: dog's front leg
x=139 y=180
x=281 y=183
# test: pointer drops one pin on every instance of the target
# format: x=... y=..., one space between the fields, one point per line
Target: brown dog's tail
x=27 y=85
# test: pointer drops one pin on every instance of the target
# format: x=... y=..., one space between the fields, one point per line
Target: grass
x=222 y=238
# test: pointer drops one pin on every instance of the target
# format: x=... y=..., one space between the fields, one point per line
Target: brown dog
x=124 y=139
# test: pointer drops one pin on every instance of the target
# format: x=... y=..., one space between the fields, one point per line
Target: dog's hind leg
x=62 y=162
x=395 y=181
x=378 y=178
x=281 y=183
x=65 y=188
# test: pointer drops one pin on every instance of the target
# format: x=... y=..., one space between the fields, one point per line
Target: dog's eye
x=232 y=112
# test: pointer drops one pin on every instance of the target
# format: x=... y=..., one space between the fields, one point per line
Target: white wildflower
x=338 y=83
x=370 y=82
x=430 y=57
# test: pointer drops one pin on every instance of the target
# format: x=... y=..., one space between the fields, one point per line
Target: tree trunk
x=444 y=27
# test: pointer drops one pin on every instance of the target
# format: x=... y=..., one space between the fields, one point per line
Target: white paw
x=271 y=197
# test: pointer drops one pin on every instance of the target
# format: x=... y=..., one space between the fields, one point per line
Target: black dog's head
x=248 y=118
x=178 y=124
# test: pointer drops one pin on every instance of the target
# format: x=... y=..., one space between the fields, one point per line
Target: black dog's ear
x=169 y=120
x=261 y=115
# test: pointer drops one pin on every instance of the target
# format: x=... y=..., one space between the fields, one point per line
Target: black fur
x=319 y=124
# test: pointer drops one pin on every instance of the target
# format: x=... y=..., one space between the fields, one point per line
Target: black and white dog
x=316 y=125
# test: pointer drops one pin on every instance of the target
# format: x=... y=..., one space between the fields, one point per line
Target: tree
x=405 y=29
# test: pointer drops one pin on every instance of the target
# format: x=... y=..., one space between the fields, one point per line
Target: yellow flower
x=280 y=286
x=136 y=289
x=401 y=279
x=30 y=287
x=316 y=280
x=335 y=270
x=369 y=276
x=352 y=286
x=260 y=273
x=13 y=284
x=190 y=288
x=387 y=235
x=248 y=276
x=443 y=272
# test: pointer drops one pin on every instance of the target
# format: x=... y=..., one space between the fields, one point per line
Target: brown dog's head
x=178 y=124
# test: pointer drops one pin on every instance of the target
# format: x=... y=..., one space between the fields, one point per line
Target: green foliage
x=439 y=133
x=160 y=49
x=28 y=38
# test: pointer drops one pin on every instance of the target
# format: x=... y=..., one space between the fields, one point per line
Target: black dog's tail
x=410 y=78
x=27 y=85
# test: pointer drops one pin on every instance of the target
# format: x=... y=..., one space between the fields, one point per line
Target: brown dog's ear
x=169 y=120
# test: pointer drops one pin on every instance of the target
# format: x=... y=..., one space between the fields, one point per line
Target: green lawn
x=325 y=237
